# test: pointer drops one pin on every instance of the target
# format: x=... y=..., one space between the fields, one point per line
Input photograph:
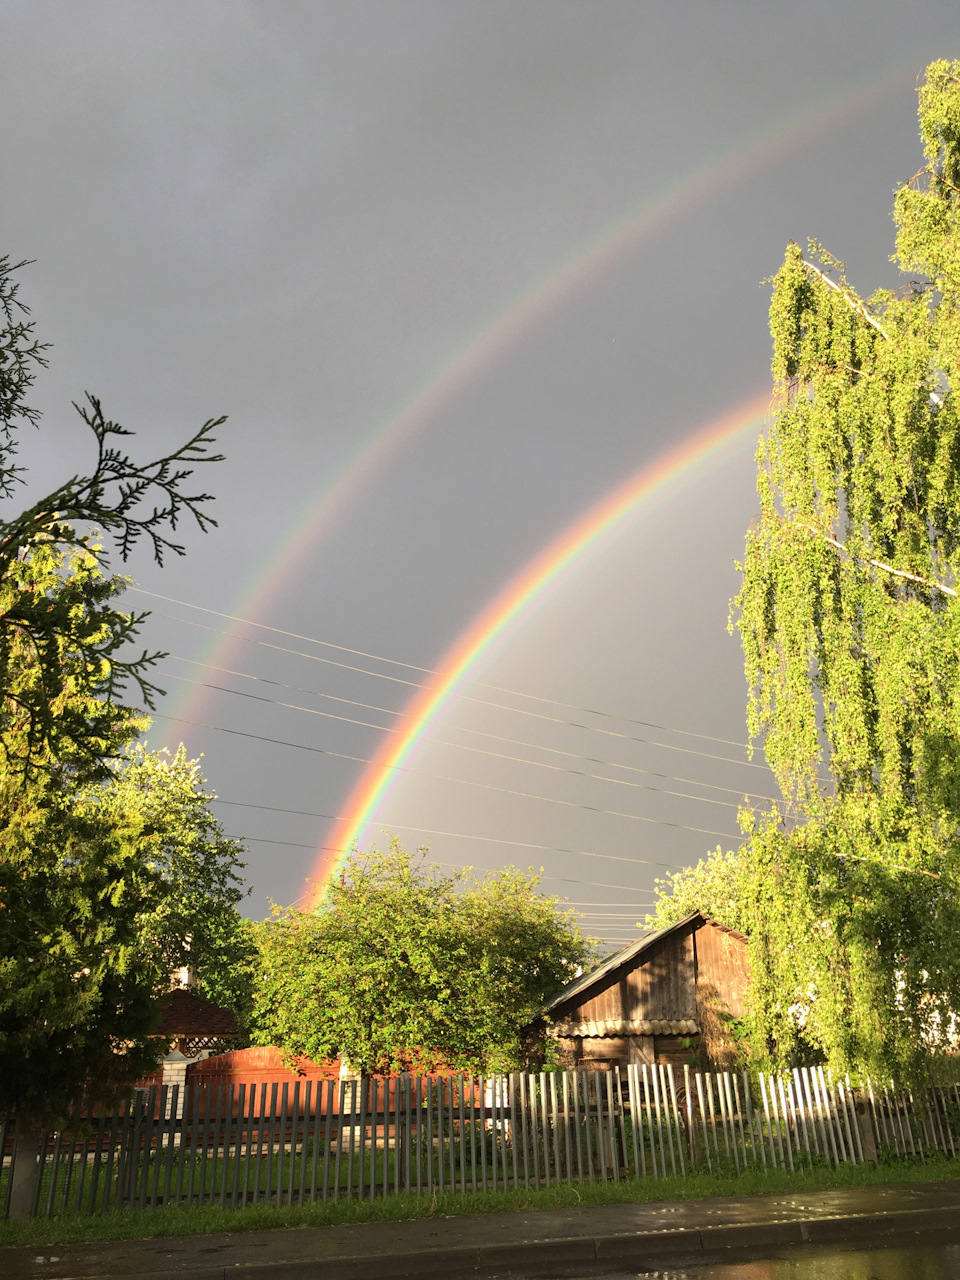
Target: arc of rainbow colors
x=660 y=479
x=338 y=495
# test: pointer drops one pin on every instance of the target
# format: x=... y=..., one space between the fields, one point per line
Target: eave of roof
x=623 y=956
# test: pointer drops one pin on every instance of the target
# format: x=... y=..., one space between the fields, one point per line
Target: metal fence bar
x=622 y=1125
x=647 y=1103
x=296 y=1166
x=146 y=1142
x=636 y=1123
x=121 y=1150
x=352 y=1141
x=677 y=1122
x=591 y=1107
x=528 y=1133
x=452 y=1130
x=828 y=1112
x=781 y=1118
x=202 y=1147
x=727 y=1096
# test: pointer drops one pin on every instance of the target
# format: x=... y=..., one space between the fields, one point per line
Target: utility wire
x=483 y=733
x=459 y=746
x=360 y=653
x=536 y=715
x=429 y=831
x=441 y=777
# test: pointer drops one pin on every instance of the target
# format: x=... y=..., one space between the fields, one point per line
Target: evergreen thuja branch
x=116 y=497
x=21 y=354
x=113 y=495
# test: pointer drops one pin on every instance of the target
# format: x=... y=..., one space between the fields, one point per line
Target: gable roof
x=187 y=1014
x=626 y=954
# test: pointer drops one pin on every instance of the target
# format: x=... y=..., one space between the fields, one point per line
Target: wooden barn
x=662 y=998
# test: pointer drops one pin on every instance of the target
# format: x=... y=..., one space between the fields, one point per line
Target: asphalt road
x=931 y=1262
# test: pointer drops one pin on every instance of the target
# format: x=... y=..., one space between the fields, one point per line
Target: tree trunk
x=29 y=1142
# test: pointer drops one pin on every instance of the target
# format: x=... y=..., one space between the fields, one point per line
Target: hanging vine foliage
x=850 y=623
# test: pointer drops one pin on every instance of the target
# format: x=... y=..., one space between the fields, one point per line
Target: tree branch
x=861 y=310
x=877 y=564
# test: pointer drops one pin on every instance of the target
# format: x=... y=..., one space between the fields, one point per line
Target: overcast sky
x=305 y=216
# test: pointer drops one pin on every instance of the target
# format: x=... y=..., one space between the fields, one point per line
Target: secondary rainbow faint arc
x=326 y=506
x=606 y=517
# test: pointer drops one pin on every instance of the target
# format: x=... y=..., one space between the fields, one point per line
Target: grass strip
x=177 y=1220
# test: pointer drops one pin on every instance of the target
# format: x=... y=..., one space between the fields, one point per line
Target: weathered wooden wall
x=691 y=976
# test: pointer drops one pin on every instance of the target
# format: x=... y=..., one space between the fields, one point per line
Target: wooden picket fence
x=235 y=1145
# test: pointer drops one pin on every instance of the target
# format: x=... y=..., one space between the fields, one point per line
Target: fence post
x=868 y=1140
x=28 y=1145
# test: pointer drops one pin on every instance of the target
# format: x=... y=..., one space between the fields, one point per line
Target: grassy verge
x=199 y=1220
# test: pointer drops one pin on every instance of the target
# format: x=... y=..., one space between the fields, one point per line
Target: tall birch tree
x=850 y=625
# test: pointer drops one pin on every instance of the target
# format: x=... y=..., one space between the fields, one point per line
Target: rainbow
x=340 y=493
x=608 y=519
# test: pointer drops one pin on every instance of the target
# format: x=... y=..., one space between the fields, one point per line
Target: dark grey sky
x=297 y=213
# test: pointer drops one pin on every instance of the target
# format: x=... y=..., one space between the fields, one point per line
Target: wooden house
x=663 y=998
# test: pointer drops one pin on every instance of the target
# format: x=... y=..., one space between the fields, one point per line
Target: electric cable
x=430 y=671
x=430 y=831
x=627 y=737
x=459 y=746
x=483 y=733
x=440 y=777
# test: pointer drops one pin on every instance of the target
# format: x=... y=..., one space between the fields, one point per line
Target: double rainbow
x=611 y=243
x=610 y=518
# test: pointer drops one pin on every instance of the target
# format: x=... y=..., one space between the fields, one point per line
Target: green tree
x=194 y=921
x=850 y=625
x=77 y=994
x=400 y=966
x=720 y=886
x=77 y=998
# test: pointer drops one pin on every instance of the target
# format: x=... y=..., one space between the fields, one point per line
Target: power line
x=462 y=746
x=536 y=715
x=456 y=835
x=483 y=733
x=608 y=904
x=440 y=777
x=409 y=666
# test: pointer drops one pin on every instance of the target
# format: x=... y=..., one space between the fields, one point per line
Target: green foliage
x=850 y=625
x=718 y=886
x=128 y=502
x=102 y=882
x=79 y=876
x=399 y=965
x=195 y=922
x=77 y=994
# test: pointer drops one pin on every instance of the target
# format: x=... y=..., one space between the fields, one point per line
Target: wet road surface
x=933 y=1262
